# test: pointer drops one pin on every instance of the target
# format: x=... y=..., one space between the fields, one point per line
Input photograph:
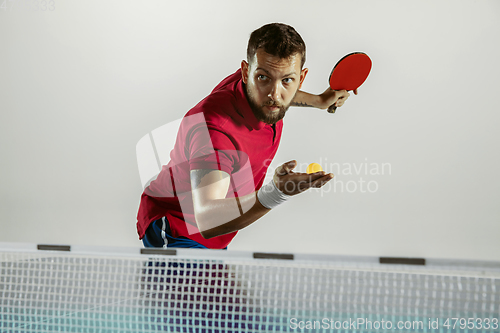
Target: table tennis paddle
x=349 y=73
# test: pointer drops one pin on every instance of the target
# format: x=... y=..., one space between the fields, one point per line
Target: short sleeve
x=212 y=149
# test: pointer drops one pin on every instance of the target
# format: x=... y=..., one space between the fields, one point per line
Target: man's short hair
x=277 y=39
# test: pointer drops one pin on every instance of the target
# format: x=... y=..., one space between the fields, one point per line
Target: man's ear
x=244 y=71
x=303 y=74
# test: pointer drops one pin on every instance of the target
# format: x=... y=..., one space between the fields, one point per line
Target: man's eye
x=262 y=77
x=288 y=80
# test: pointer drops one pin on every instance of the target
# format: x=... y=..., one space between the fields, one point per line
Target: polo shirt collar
x=244 y=107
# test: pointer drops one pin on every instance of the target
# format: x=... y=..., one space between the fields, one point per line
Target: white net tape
x=78 y=292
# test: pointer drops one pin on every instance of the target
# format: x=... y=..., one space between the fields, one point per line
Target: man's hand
x=334 y=97
x=292 y=183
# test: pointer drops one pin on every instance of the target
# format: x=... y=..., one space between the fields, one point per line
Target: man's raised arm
x=322 y=101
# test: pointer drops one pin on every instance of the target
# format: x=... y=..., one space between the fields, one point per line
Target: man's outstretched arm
x=214 y=213
x=217 y=215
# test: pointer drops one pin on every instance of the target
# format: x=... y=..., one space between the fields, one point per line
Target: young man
x=213 y=185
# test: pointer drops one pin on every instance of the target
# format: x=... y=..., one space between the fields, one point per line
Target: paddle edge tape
x=281 y=256
x=367 y=63
x=50 y=247
x=402 y=261
x=347 y=55
x=162 y=252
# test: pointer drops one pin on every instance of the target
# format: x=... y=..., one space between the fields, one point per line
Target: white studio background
x=82 y=81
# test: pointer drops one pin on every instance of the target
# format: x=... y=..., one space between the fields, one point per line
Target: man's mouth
x=272 y=107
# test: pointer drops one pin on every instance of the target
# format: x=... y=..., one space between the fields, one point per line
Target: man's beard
x=260 y=114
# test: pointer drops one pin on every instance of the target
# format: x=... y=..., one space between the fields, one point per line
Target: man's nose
x=275 y=92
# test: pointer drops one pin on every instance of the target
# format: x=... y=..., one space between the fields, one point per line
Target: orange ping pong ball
x=314 y=167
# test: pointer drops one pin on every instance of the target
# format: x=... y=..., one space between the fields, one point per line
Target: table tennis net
x=219 y=291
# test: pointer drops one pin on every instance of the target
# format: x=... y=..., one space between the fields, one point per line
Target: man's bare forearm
x=214 y=213
x=322 y=101
x=305 y=99
x=212 y=218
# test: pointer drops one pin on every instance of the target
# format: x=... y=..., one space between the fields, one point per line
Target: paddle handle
x=332 y=109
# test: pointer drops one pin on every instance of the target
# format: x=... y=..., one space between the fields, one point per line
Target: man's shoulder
x=213 y=113
x=226 y=92
x=221 y=105
x=229 y=82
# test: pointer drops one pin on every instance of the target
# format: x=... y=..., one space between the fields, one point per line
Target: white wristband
x=270 y=196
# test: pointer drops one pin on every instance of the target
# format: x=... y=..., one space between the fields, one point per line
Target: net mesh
x=69 y=292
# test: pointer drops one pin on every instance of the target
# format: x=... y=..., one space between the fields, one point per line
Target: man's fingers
x=306 y=181
x=286 y=168
x=344 y=95
x=308 y=178
x=290 y=165
x=322 y=181
x=315 y=180
x=294 y=183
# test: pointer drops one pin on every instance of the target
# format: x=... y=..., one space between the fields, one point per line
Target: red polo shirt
x=219 y=133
